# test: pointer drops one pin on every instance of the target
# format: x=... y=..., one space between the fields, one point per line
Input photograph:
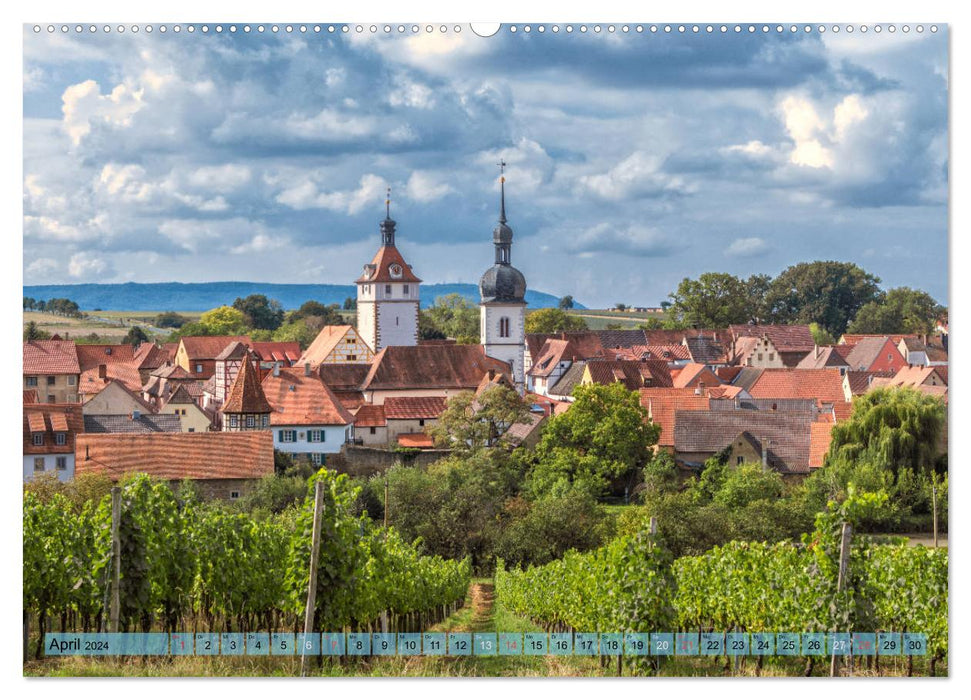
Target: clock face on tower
x=395 y=270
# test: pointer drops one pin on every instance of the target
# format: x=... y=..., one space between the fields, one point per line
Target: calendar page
x=544 y=349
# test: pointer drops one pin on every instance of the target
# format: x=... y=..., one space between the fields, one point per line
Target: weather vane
x=387 y=203
x=502 y=170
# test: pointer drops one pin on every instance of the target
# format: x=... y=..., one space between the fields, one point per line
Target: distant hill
x=201 y=296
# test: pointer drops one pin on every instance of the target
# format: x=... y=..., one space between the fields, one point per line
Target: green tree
x=714 y=300
x=260 y=312
x=350 y=304
x=427 y=329
x=651 y=324
x=553 y=321
x=317 y=315
x=456 y=317
x=169 y=319
x=224 y=320
x=565 y=302
x=605 y=436
x=827 y=292
x=29 y=303
x=900 y=310
x=537 y=532
x=470 y=422
x=135 y=336
x=298 y=331
x=821 y=336
x=33 y=332
x=758 y=289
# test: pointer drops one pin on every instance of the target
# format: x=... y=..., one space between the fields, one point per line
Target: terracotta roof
x=584 y=344
x=344 y=376
x=565 y=384
x=170 y=372
x=670 y=353
x=867 y=350
x=51 y=418
x=553 y=352
x=854 y=338
x=913 y=375
x=90 y=356
x=788 y=338
x=842 y=410
x=51 y=357
x=820 y=384
x=233 y=351
x=708 y=432
x=860 y=381
x=413 y=407
x=665 y=337
x=30 y=395
x=420 y=440
x=379 y=269
x=301 y=400
x=277 y=351
x=493 y=378
x=820 y=436
x=351 y=400
x=176 y=456
x=181 y=395
x=149 y=355
x=125 y=374
x=633 y=375
x=144 y=423
x=727 y=374
x=723 y=391
x=825 y=356
x=208 y=347
x=430 y=367
x=370 y=416
x=693 y=374
x=622 y=338
x=324 y=344
x=246 y=395
x=519 y=432
x=662 y=407
x=942 y=372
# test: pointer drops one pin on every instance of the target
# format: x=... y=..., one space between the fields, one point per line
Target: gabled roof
x=723 y=391
x=665 y=337
x=344 y=376
x=493 y=378
x=133 y=394
x=325 y=343
x=180 y=396
x=124 y=373
x=820 y=437
x=413 y=407
x=860 y=381
x=565 y=384
x=622 y=338
x=149 y=355
x=379 y=269
x=914 y=375
x=693 y=374
x=669 y=353
x=663 y=404
x=234 y=350
x=144 y=423
x=90 y=356
x=786 y=338
x=429 y=367
x=788 y=383
x=705 y=349
x=370 y=416
x=866 y=351
x=553 y=352
x=51 y=418
x=277 y=351
x=246 y=395
x=208 y=347
x=297 y=399
x=708 y=432
x=520 y=432
x=854 y=338
x=632 y=374
x=177 y=456
x=170 y=372
x=585 y=344
x=51 y=357
x=823 y=357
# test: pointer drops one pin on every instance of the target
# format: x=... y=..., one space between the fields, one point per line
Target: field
x=600 y=319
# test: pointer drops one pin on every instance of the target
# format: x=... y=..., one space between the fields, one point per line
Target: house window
x=31 y=381
x=191 y=430
x=71 y=380
x=60 y=439
x=313 y=436
x=739 y=460
x=38 y=464
x=503 y=327
x=404 y=289
x=374 y=431
x=233 y=422
x=889 y=357
x=250 y=421
x=38 y=438
x=771 y=356
x=198 y=369
x=266 y=421
x=51 y=380
x=318 y=459
x=352 y=358
x=233 y=495
x=50 y=398
x=421 y=422
x=62 y=463
x=287 y=435
x=760 y=356
x=387 y=290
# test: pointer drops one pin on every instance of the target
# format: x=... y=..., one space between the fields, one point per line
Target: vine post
x=934 y=504
x=308 y=620
x=841 y=577
x=115 y=610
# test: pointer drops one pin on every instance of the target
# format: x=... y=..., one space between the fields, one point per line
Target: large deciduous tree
x=455 y=317
x=827 y=292
x=714 y=300
x=224 y=320
x=901 y=310
x=261 y=313
x=553 y=321
x=470 y=422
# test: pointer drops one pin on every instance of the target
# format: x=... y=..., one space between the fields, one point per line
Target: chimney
x=815 y=350
x=306 y=369
x=102 y=371
x=87 y=453
x=276 y=369
x=136 y=414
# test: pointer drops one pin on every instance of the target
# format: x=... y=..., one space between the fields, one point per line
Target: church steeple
x=387 y=226
x=502 y=234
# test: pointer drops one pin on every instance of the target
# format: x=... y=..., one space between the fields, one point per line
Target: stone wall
x=358 y=460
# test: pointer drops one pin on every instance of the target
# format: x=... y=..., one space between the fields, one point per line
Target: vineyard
x=634 y=585
x=184 y=566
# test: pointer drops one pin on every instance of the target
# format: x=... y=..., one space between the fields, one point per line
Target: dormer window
x=60 y=439
x=38 y=439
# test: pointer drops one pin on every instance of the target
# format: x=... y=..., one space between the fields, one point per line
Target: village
x=360 y=399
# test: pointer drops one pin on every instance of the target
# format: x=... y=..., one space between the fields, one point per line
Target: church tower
x=387 y=294
x=502 y=315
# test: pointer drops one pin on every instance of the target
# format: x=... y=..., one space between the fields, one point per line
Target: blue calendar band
x=488 y=644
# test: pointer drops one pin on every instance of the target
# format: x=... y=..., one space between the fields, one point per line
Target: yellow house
x=192 y=417
x=337 y=344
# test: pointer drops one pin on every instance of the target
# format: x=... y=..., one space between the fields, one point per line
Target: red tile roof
x=344 y=376
x=51 y=418
x=671 y=353
x=370 y=416
x=90 y=356
x=789 y=338
x=125 y=374
x=842 y=410
x=854 y=338
x=915 y=375
x=148 y=356
x=584 y=344
x=820 y=384
x=820 y=437
x=413 y=407
x=301 y=400
x=277 y=351
x=553 y=352
x=662 y=408
x=51 y=357
x=379 y=269
x=693 y=374
x=430 y=367
x=632 y=374
x=825 y=356
x=176 y=456
x=246 y=395
x=420 y=440
x=867 y=351
x=208 y=347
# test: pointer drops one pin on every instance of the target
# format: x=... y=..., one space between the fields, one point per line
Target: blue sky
x=634 y=160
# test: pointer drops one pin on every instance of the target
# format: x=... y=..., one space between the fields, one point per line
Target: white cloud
x=88 y=266
x=604 y=237
x=423 y=187
x=751 y=148
x=638 y=175
x=306 y=195
x=260 y=243
x=747 y=247
x=409 y=93
x=220 y=178
x=84 y=105
x=42 y=267
x=805 y=128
